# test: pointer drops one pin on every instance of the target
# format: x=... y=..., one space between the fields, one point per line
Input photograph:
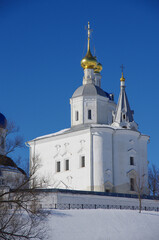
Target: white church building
x=102 y=150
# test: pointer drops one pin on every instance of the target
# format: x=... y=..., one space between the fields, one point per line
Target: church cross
x=89 y=30
x=122 y=67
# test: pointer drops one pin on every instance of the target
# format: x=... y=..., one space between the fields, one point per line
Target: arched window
x=124 y=116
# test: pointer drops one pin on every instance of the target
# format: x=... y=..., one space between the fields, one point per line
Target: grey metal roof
x=90 y=90
x=123 y=107
x=8 y=162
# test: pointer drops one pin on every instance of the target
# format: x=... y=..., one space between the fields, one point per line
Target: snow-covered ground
x=101 y=224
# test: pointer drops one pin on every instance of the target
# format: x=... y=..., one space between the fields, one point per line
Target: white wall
x=76 y=105
x=49 y=199
x=101 y=108
x=129 y=143
x=107 y=154
x=69 y=146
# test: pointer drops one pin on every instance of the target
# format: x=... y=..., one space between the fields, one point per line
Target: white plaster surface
x=107 y=154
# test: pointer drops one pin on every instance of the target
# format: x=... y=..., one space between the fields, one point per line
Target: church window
x=89 y=114
x=131 y=160
x=83 y=161
x=67 y=165
x=76 y=115
x=124 y=116
x=58 y=166
x=132 y=184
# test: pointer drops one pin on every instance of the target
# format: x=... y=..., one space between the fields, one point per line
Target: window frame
x=76 y=115
x=124 y=117
x=67 y=165
x=132 y=161
x=58 y=167
x=132 y=184
x=89 y=114
x=82 y=161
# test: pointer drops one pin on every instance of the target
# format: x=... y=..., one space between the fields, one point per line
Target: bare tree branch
x=154 y=180
x=140 y=185
x=20 y=214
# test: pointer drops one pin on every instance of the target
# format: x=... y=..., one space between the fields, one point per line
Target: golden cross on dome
x=122 y=76
x=122 y=67
x=89 y=30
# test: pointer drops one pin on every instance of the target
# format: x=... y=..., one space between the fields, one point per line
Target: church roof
x=123 y=107
x=124 y=115
x=3 y=121
x=8 y=162
x=90 y=90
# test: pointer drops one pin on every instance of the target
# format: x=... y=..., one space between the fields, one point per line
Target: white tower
x=89 y=103
x=123 y=116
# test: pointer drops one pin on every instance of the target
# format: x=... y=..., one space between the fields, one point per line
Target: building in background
x=102 y=150
x=11 y=176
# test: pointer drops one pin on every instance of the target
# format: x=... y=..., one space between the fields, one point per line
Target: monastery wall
x=77 y=200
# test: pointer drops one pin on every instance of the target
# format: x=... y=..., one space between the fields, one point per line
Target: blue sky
x=42 y=43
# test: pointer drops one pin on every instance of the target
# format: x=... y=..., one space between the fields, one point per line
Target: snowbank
x=102 y=224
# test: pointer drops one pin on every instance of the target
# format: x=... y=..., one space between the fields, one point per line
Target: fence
x=100 y=206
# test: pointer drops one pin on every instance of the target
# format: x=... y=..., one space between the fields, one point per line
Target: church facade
x=102 y=150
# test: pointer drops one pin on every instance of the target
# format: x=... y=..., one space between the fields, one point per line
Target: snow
x=66 y=129
x=99 y=224
x=53 y=134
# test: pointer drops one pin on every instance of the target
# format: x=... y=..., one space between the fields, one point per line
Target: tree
x=140 y=188
x=13 y=139
x=153 y=179
x=138 y=184
x=20 y=214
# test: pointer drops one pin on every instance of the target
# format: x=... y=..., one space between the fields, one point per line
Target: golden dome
x=88 y=61
x=98 y=68
x=122 y=79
